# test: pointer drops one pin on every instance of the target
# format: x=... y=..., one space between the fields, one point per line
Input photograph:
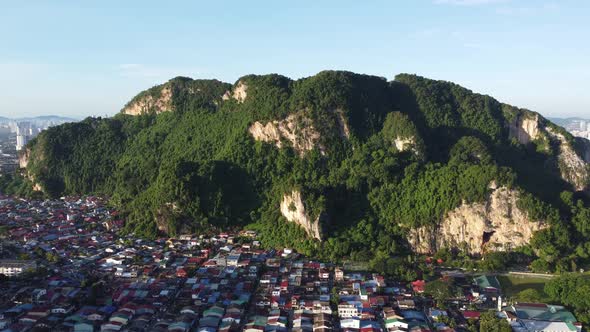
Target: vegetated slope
x=336 y=165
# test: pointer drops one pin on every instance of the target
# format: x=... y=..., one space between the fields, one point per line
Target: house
x=350 y=323
x=542 y=317
x=111 y=326
x=347 y=310
x=395 y=322
x=11 y=268
x=487 y=284
x=406 y=304
x=548 y=326
x=436 y=314
x=418 y=286
x=338 y=274
x=181 y=273
x=471 y=315
x=83 y=326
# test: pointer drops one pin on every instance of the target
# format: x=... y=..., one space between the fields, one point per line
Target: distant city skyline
x=76 y=60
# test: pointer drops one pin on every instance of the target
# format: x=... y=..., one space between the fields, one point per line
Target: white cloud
x=468 y=2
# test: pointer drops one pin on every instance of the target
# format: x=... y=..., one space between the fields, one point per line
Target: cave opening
x=487 y=236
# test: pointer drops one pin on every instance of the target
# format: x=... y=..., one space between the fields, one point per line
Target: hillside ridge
x=337 y=164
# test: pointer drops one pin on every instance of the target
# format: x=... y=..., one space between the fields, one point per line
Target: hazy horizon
x=77 y=60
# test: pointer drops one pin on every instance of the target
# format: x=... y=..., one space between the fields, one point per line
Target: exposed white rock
x=266 y=133
x=239 y=93
x=296 y=129
x=293 y=210
x=404 y=143
x=23 y=158
x=23 y=161
x=524 y=128
x=342 y=124
x=573 y=168
x=495 y=225
x=149 y=103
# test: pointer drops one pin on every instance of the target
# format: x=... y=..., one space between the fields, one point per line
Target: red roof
x=471 y=314
x=418 y=286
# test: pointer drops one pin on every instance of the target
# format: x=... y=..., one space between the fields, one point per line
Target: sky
x=83 y=58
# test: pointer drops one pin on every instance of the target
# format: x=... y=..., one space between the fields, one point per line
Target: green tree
x=530 y=295
x=51 y=257
x=440 y=290
x=488 y=322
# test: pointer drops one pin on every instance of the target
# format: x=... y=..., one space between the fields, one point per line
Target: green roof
x=554 y=313
x=487 y=282
x=76 y=318
x=393 y=320
x=257 y=320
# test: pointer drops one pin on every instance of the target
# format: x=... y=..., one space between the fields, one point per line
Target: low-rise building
x=12 y=268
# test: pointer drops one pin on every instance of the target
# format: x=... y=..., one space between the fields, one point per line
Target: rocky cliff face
x=573 y=168
x=293 y=210
x=524 y=128
x=239 y=92
x=149 y=103
x=297 y=129
x=403 y=144
x=342 y=124
x=23 y=158
x=495 y=225
x=23 y=162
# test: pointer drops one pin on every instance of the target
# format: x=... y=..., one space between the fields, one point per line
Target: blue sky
x=80 y=58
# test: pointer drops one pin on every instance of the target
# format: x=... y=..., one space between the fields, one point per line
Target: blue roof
x=413 y=315
x=108 y=309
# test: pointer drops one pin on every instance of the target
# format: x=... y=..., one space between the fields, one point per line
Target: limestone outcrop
x=573 y=168
x=296 y=129
x=524 y=128
x=494 y=225
x=343 y=128
x=293 y=209
x=239 y=93
x=23 y=158
x=404 y=143
x=149 y=103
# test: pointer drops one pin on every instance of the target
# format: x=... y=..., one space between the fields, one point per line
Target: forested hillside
x=338 y=165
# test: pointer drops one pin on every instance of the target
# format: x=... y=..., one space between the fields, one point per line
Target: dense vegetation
x=572 y=290
x=197 y=169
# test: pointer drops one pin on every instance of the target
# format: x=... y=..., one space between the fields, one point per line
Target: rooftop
x=487 y=282
x=543 y=312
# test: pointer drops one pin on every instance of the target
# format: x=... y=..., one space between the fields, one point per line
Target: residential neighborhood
x=67 y=266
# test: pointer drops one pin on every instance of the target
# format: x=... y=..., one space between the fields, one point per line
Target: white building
x=21 y=141
x=347 y=310
x=350 y=323
x=22 y=135
x=13 y=268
